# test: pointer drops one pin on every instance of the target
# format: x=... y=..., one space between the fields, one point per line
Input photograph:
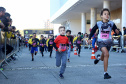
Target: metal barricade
x=2 y=58
x=4 y=41
x=116 y=43
x=124 y=41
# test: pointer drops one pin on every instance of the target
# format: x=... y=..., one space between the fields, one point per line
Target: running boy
x=78 y=42
x=49 y=44
x=42 y=42
x=34 y=43
x=104 y=38
x=70 y=39
x=60 y=43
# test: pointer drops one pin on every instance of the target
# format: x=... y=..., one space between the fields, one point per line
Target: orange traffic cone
x=93 y=54
x=96 y=48
x=75 y=51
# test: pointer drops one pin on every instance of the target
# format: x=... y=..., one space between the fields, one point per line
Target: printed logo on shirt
x=105 y=30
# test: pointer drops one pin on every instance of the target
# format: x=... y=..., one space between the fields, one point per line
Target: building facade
x=81 y=15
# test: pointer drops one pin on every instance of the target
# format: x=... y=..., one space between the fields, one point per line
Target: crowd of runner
x=64 y=42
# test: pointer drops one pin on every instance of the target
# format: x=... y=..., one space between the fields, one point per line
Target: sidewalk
x=80 y=70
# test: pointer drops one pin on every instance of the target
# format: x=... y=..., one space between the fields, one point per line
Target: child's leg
x=58 y=59
x=93 y=43
x=64 y=59
x=50 y=52
x=105 y=53
x=79 y=50
x=69 y=52
x=36 y=50
x=32 y=53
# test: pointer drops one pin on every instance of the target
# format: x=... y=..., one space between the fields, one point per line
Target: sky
x=27 y=14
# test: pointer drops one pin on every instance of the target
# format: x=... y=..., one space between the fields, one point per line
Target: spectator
x=120 y=33
x=82 y=35
x=4 y=19
x=112 y=33
x=85 y=35
x=124 y=29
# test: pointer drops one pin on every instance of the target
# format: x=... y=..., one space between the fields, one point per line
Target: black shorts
x=102 y=44
x=50 y=48
x=30 y=45
x=42 y=49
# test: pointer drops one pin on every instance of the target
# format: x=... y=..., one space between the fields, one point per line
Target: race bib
x=41 y=44
x=104 y=35
x=63 y=47
x=70 y=42
x=50 y=42
x=34 y=44
x=78 y=42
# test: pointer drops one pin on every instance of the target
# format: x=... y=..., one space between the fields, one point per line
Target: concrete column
x=83 y=23
x=106 y=4
x=123 y=15
x=123 y=18
x=93 y=17
x=68 y=24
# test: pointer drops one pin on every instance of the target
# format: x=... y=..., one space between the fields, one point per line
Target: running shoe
x=32 y=59
x=61 y=76
x=50 y=56
x=68 y=60
x=107 y=76
x=97 y=59
x=35 y=53
x=78 y=55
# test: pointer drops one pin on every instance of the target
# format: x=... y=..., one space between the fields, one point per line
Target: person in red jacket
x=61 y=44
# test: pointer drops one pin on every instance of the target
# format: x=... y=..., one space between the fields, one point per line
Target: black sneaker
x=35 y=53
x=68 y=60
x=78 y=55
x=32 y=59
x=50 y=56
x=61 y=76
x=107 y=76
x=42 y=55
x=97 y=59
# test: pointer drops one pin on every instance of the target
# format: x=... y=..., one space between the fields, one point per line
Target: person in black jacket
x=50 y=45
x=41 y=44
x=70 y=38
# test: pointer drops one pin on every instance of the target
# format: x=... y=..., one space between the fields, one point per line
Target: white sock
x=105 y=72
x=98 y=58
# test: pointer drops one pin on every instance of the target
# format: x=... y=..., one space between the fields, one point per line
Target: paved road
x=80 y=70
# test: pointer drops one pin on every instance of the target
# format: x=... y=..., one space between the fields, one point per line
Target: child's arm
x=75 y=39
x=54 y=44
x=37 y=42
x=47 y=42
x=30 y=41
x=115 y=29
x=93 y=31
